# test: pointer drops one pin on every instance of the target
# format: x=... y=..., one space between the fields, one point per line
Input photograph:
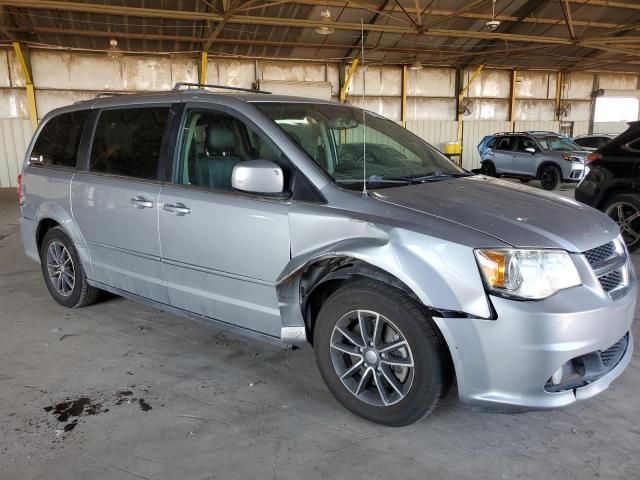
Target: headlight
x=571 y=158
x=527 y=274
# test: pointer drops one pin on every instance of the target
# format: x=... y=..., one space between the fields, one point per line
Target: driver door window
x=524 y=143
x=212 y=143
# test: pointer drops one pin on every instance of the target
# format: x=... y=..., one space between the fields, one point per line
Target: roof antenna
x=364 y=119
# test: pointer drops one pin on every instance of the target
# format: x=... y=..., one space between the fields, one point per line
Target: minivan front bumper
x=505 y=363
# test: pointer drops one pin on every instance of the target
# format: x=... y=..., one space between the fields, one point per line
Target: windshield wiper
x=379 y=180
x=439 y=176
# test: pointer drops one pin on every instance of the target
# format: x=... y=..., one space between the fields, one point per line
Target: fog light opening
x=562 y=373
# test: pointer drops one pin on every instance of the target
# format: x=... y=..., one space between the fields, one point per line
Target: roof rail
x=109 y=94
x=179 y=85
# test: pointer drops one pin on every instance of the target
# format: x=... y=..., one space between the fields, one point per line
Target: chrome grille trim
x=609 y=264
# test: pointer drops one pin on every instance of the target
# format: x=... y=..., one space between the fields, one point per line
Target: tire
x=626 y=205
x=525 y=180
x=68 y=287
x=550 y=177
x=488 y=168
x=421 y=380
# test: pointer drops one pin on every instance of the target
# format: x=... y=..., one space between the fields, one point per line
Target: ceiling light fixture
x=493 y=24
x=114 y=51
x=326 y=26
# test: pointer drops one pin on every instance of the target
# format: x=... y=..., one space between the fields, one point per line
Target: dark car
x=612 y=183
x=594 y=141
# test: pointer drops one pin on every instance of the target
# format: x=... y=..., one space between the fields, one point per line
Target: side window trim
x=90 y=141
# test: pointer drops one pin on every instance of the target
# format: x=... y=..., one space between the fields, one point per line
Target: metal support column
x=25 y=66
x=558 y=94
x=202 y=71
x=461 y=96
x=403 y=110
x=512 y=98
x=348 y=79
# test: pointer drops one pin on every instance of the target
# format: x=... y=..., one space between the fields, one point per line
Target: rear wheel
x=63 y=273
x=624 y=209
x=380 y=355
x=550 y=177
x=488 y=168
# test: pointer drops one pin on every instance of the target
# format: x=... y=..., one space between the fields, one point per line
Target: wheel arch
x=614 y=192
x=50 y=215
x=549 y=163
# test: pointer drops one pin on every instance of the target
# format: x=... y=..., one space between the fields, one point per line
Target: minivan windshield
x=342 y=139
x=557 y=143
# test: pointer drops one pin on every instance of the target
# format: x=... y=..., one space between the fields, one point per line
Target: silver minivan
x=298 y=220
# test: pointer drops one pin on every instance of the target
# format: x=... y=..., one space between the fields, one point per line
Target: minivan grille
x=609 y=263
x=610 y=280
x=598 y=254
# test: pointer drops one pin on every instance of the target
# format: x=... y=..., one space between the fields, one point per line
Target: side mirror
x=530 y=150
x=258 y=176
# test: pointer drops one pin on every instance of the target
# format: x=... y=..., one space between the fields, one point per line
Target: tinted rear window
x=127 y=141
x=59 y=140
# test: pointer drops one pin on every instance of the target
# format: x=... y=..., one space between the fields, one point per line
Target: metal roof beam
x=566 y=11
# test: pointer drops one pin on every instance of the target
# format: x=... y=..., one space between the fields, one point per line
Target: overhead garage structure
x=437 y=67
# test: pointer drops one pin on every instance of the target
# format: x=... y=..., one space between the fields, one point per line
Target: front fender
x=442 y=274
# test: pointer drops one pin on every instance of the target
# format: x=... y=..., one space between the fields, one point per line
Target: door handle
x=177 y=208
x=141 y=202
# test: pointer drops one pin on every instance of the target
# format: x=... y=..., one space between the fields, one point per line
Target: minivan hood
x=515 y=214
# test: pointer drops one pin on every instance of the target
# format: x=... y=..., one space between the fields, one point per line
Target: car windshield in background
x=334 y=137
x=557 y=143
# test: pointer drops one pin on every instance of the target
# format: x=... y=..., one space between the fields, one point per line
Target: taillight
x=592 y=157
x=20 y=195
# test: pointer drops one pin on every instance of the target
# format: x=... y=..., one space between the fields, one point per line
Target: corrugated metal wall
x=539 y=125
x=64 y=77
x=580 y=128
x=436 y=133
x=15 y=134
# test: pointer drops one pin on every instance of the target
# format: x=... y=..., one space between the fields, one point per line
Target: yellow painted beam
x=348 y=79
x=202 y=78
x=28 y=80
x=558 y=94
x=403 y=111
x=462 y=94
x=512 y=107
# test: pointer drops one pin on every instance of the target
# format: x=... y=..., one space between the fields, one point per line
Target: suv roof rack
x=179 y=85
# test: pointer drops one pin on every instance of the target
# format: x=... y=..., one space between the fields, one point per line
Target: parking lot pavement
x=120 y=391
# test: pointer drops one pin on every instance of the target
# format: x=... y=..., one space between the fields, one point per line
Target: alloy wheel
x=627 y=217
x=60 y=269
x=548 y=178
x=372 y=358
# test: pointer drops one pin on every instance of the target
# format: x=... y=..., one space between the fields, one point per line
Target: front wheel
x=550 y=177
x=380 y=355
x=489 y=169
x=624 y=209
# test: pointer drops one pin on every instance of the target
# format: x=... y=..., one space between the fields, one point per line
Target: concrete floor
x=165 y=397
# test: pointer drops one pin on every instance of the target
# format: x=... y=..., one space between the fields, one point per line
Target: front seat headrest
x=220 y=138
